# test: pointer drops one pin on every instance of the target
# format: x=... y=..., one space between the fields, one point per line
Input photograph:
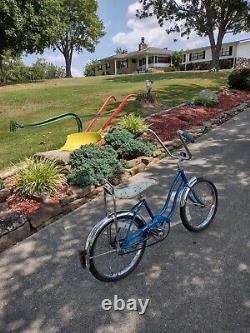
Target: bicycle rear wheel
x=200 y=206
x=108 y=263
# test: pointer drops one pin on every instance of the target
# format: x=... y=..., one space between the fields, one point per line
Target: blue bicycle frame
x=133 y=238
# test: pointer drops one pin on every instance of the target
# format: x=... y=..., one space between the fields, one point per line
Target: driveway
x=195 y=282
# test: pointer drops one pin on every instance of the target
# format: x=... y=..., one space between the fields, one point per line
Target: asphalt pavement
x=195 y=282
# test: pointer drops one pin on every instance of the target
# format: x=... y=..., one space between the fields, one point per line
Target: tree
x=25 y=26
x=80 y=28
x=120 y=50
x=90 y=67
x=177 y=58
x=205 y=17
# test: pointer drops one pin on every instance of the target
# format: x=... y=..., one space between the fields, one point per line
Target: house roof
x=164 y=52
x=147 y=51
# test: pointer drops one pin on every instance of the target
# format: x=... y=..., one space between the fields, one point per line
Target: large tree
x=80 y=28
x=212 y=18
x=27 y=25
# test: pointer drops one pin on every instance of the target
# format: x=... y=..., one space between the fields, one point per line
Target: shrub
x=38 y=177
x=240 y=79
x=133 y=123
x=126 y=146
x=91 y=164
x=177 y=59
x=206 y=98
x=1 y=184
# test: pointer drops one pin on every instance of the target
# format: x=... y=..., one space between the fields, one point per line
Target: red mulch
x=166 y=124
x=29 y=205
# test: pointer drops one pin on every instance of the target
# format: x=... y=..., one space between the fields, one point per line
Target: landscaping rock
x=176 y=143
x=74 y=205
x=4 y=193
x=133 y=163
x=146 y=160
x=80 y=192
x=61 y=157
x=14 y=227
x=44 y=213
x=185 y=117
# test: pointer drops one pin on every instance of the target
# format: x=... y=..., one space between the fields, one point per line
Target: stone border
x=15 y=227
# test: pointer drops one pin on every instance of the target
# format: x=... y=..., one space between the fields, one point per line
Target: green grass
x=32 y=102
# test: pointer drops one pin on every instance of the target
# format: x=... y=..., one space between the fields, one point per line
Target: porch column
x=146 y=61
x=115 y=67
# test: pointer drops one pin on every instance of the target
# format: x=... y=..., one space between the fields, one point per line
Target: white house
x=232 y=54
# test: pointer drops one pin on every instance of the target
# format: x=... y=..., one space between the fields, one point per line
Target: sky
x=124 y=30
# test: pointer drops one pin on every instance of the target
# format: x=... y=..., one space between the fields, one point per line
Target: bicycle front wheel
x=107 y=262
x=200 y=206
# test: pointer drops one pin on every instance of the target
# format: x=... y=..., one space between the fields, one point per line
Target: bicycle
x=116 y=244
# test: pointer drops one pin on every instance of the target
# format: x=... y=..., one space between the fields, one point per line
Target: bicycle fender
x=186 y=190
x=93 y=233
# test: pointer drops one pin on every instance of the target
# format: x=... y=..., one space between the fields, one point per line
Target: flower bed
x=166 y=124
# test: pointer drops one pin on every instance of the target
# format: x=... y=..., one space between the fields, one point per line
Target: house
x=232 y=55
x=146 y=57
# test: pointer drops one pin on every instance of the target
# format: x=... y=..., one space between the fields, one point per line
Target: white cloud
x=153 y=33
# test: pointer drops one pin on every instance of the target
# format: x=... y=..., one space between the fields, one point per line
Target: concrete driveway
x=195 y=282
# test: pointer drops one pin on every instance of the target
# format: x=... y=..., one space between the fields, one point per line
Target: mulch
x=166 y=124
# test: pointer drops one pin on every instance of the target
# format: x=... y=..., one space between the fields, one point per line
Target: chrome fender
x=93 y=233
x=186 y=190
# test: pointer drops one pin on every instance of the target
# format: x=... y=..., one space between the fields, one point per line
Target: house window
x=164 y=60
x=107 y=65
x=226 y=51
x=197 y=56
x=150 y=60
x=142 y=62
x=100 y=68
x=134 y=61
x=123 y=64
x=184 y=57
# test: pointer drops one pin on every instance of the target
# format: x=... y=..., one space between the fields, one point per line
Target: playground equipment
x=76 y=140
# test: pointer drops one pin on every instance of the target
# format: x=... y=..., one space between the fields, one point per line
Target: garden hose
x=14 y=125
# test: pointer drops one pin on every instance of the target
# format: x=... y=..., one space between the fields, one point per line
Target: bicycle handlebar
x=184 y=136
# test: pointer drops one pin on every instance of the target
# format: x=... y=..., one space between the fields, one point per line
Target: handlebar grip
x=137 y=135
x=187 y=136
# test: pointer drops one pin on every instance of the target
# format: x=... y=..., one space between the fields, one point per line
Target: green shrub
x=240 y=79
x=91 y=164
x=1 y=184
x=206 y=98
x=205 y=101
x=126 y=146
x=38 y=177
x=133 y=123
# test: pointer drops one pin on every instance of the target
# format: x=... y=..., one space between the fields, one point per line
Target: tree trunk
x=1 y=70
x=216 y=49
x=68 y=63
x=215 y=63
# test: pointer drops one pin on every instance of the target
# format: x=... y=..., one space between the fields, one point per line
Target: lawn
x=32 y=102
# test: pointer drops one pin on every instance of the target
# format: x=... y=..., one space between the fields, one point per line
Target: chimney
x=142 y=45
